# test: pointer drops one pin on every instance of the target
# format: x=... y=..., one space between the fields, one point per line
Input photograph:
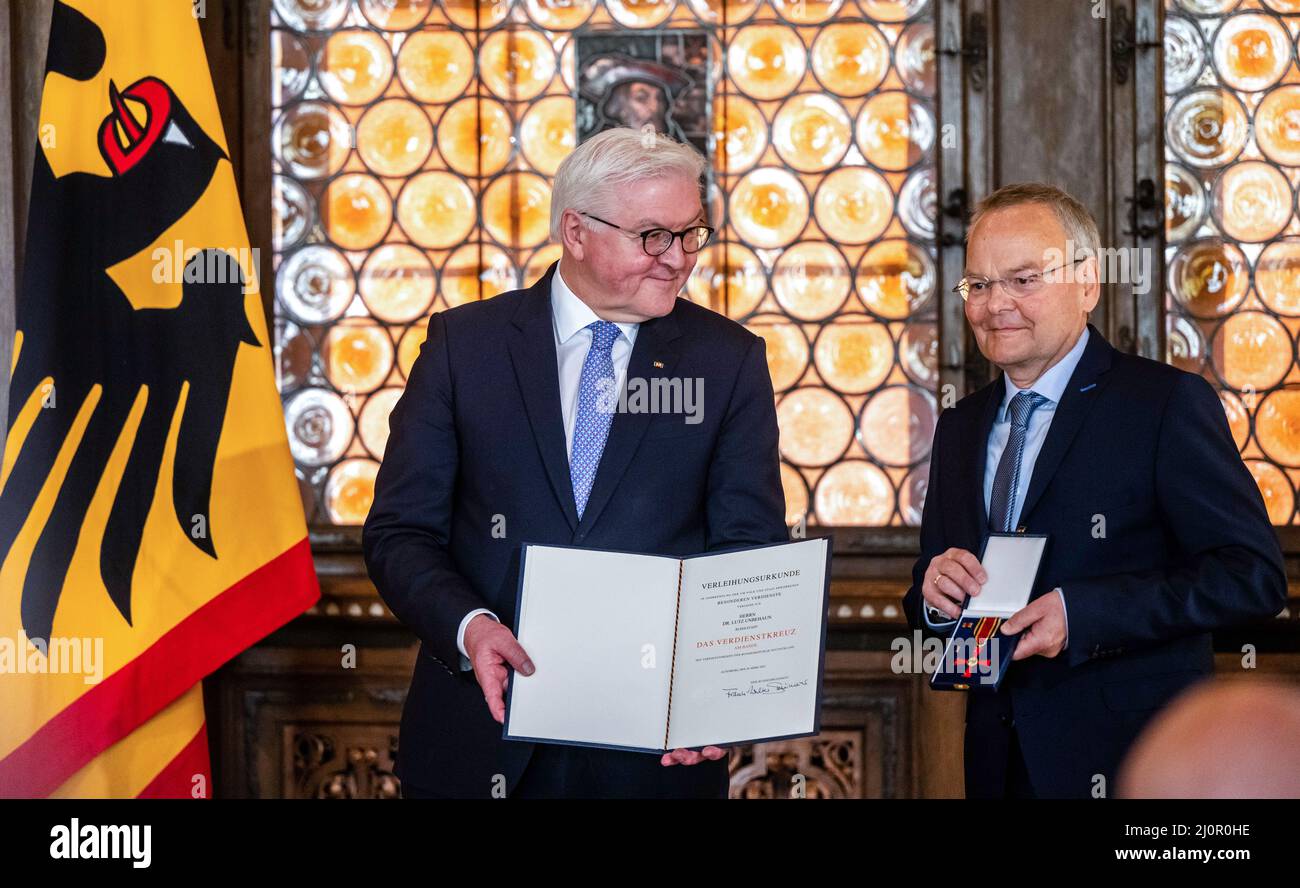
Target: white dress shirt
x=570 y=317
x=1051 y=385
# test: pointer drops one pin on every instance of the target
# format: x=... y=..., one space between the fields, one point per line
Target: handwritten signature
x=770 y=687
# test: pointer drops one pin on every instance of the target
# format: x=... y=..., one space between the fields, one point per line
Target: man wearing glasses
x=1157 y=533
x=508 y=433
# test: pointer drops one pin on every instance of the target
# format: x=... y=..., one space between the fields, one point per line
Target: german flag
x=150 y=522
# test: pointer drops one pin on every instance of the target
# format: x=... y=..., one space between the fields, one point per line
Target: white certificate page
x=599 y=628
x=749 y=645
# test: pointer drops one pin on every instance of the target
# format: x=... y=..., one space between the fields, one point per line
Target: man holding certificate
x=1155 y=533
x=531 y=418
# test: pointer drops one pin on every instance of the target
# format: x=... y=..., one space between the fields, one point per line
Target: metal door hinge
x=1125 y=43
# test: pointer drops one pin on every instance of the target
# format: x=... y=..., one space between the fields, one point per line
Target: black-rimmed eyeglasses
x=657 y=241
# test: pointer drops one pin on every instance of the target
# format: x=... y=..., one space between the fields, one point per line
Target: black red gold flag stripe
x=150 y=521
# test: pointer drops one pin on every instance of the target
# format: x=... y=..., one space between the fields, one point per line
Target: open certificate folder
x=652 y=653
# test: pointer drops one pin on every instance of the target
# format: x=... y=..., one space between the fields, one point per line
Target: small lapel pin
x=1086 y=387
x=659 y=365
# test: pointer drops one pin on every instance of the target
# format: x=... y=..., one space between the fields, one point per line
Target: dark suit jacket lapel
x=1085 y=384
x=656 y=341
x=532 y=352
x=975 y=449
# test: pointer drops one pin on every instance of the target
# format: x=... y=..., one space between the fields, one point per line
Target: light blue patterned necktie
x=1002 y=503
x=596 y=402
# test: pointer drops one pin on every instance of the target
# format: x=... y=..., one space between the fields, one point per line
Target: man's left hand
x=1043 y=623
x=691 y=757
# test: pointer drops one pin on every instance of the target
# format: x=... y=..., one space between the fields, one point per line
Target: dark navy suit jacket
x=1187 y=549
x=477 y=441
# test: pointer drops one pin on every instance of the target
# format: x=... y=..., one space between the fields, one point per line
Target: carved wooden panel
x=333 y=761
x=290 y=722
x=296 y=722
x=828 y=766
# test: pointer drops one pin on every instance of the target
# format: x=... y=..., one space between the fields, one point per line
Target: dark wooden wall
x=24 y=30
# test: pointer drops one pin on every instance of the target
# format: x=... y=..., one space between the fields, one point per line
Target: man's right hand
x=950 y=578
x=491 y=647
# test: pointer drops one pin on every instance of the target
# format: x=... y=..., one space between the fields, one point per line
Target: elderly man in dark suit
x=507 y=433
x=1157 y=533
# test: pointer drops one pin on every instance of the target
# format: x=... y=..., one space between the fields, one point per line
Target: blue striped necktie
x=595 y=410
x=1002 y=504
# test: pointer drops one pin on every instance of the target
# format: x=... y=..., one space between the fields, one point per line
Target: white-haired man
x=505 y=435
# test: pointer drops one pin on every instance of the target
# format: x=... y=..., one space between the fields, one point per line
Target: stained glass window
x=1232 y=167
x=414 y=144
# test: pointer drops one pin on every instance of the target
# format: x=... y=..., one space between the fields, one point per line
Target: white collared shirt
x=570 y=317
